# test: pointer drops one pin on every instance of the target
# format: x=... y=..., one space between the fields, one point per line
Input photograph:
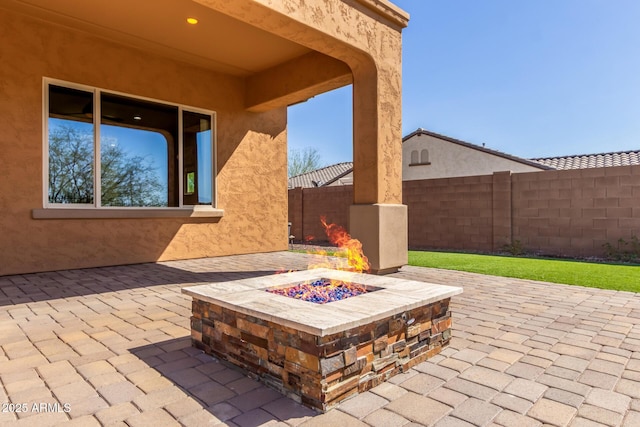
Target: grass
x=596 y=275
x=326 y=252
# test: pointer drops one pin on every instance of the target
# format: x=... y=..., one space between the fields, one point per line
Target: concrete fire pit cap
x=249 y=296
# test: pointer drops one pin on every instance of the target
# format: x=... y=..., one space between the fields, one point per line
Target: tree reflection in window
x=133 y=167
x=127 y=178
x=138 y=156
x=70 y=162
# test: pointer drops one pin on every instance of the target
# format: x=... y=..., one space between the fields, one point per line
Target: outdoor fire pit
x=322 y=352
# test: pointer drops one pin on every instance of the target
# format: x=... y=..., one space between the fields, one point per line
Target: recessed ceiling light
x=137 y=118
x=192 y=21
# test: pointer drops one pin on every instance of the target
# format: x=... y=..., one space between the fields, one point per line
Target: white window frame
x=95 y=210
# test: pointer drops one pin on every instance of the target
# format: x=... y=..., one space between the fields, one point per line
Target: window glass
x=137 y=139
x=138 y=158
x=71 y=147
x=197 y=149
x=133 y=167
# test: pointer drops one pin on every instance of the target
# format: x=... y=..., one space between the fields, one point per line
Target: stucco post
x=367 y=36
x=378 y=218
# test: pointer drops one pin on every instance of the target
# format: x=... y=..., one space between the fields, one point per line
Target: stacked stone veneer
x=321 y=371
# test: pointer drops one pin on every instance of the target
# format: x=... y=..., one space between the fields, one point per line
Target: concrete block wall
x=295 y=213
x=575 y=212
x=452 y=213
x=307 y=205
x=563 y=213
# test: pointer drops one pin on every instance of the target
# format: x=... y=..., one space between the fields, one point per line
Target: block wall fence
x=561 y=213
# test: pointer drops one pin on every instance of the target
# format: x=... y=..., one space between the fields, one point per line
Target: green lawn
x=596 y=275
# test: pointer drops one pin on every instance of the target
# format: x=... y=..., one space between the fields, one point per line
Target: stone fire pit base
x=322 y=354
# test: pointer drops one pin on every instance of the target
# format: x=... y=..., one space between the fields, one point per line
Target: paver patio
x=111 y=346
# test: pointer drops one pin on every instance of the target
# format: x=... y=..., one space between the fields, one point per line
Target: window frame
x=95 y=209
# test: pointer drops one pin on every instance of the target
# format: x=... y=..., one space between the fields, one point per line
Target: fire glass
x=321 y=291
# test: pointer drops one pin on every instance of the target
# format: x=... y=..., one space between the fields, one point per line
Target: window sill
x=124 y=213
x=420 y=164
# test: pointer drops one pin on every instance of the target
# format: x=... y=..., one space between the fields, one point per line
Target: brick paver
x=419 y=409
x=113 y=345
x=476 y=411
x=362 y=405
x=508 y=418
x=551 y=412
x=422 y=383
x=513 y=403
x=385 y=418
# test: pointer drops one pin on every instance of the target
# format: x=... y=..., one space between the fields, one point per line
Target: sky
x=531 y=78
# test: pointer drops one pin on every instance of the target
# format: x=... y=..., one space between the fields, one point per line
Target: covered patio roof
x=218 y=41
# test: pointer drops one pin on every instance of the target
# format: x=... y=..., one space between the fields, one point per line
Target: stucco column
x=366 y=36
x=378 y=218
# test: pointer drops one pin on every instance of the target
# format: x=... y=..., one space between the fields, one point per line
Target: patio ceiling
x=217 y=42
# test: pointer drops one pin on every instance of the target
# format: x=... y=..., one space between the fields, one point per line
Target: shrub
x=625 y=251
x=515 y=248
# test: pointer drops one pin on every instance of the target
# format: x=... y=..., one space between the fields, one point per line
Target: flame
x=356 y=259
x=326 y=290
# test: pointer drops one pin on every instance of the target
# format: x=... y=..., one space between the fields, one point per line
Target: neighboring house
x=338 y=174
x=586 y=161
x=427 y=155
x=129 y=134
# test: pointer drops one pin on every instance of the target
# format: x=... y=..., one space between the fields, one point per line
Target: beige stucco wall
x=449 y=159
x=366 y=35
x=250 y=147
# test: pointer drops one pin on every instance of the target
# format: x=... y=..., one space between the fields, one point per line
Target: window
x=197 y=155
x=108 y=150
x=420 y=158
x=424 y=156
x=414 y=157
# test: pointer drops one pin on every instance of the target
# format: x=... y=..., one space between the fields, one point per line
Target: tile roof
x=321 y=177
x=329 y=174
x=585 y=161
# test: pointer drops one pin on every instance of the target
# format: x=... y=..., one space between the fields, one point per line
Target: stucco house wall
x=249 y=145
x=447 y=158
x=245 y=64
